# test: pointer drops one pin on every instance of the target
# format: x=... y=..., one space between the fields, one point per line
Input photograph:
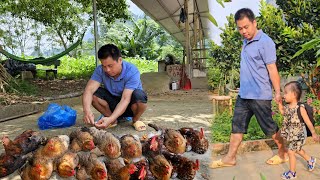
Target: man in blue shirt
x=121 y=95
x=258 y=73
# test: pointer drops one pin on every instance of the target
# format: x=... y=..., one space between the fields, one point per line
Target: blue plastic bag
x=57 y=116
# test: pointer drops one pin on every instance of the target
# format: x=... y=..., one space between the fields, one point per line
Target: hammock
x=41 y=60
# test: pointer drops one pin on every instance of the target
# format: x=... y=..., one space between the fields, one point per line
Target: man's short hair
x=244 y=12
x=109 y=50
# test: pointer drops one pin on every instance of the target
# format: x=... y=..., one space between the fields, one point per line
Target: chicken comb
x=201 y=133
x=132 y=168
x=153 y=140
x=142 y=173
x=196 y=165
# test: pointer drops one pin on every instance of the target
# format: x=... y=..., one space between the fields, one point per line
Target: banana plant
x=313 y=44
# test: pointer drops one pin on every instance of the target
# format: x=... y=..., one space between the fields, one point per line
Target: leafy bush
x=71 y=68
x=214 y=77
x=312 y=100
x=144 y=65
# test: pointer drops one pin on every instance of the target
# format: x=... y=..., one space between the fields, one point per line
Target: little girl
x=293 y=130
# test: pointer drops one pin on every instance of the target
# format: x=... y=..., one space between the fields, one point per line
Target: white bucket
x=174 y=85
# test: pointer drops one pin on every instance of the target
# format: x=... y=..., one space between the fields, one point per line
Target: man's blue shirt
x=128 y=79
x=256 y=54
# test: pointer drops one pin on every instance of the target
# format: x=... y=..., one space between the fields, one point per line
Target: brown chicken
x=184 y=167
x=67 y=164
x=196 y=139
x=143 y=172
x=152 y=146
x=107 y=143
x=124 y=173
x=173 y=140
x=23 y=144
x=130 y=147
x=54 y=148
x=113 y=166
x=91 y=167
x=81 y=140
x=38 y=169
x=160 y=168
x=9 y=164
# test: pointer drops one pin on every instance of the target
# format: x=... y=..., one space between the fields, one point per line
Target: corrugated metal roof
x=167 y=14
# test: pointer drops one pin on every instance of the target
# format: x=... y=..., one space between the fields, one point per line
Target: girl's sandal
x=289 y=175
x=311 y=163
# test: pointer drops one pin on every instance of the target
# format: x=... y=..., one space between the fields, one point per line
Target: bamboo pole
x=5 y=79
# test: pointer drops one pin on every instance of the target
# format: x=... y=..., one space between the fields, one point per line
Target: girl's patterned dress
x=292 y=129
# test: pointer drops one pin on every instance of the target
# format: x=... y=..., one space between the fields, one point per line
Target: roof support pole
x=94 y=4
x=188 y=54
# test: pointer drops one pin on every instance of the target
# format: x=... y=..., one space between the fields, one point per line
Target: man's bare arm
x=91 y=87
x=122 y=105
x=275 y=79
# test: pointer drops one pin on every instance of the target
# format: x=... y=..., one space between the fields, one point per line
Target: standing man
x=258 y=73
x=121 y=95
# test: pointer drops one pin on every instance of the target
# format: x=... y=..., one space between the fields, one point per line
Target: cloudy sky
x=217 y=11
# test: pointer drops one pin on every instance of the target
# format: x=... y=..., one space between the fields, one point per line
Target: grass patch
x=22 y=87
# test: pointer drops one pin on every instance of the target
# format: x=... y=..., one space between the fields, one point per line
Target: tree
x=304 y=20
x=297 y=12
x=141 y=38
x=227 y=56
x=16 y=32
x=68 y=19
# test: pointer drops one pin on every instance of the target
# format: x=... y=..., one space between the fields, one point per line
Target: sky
x=218 y=12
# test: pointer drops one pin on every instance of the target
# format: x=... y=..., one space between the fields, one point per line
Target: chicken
x=143 y=172
x=173 y=140
x=67 y=164
x=113 y=166
x=38 y=169
x=107 y=143
x=23 y=144
x=196 y=139
x=160 y=168
x=185 y=168
x=152 y=146
x=91 y=167
x=81 y=140
x=9 y=163
x=130 y=147
x=54 y=148
x=124 y=173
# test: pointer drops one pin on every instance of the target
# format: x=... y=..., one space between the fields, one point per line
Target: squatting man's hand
x=103 y=123
x=88 y=118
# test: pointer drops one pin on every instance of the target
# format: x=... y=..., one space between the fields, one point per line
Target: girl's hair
x=295 y=87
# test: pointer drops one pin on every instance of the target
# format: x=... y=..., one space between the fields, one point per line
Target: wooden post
x=187 y=39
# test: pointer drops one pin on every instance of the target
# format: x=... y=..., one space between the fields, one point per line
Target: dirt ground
x=174 y=109
x=44 y=89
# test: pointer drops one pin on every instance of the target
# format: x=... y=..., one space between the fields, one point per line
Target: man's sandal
x=112 y=125
x=139 y=126
x=219 y=164
x=276 y=159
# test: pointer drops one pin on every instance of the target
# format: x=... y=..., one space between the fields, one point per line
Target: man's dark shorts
x=246 y=108
x=138 y=95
